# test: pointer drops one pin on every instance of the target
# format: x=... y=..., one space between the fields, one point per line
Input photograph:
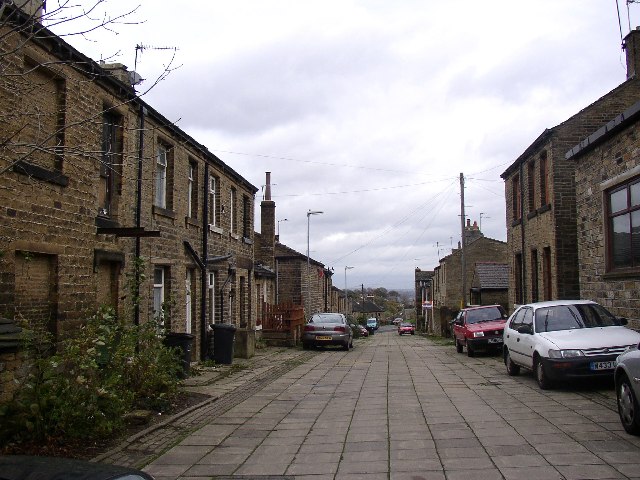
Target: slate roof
x=492 y=276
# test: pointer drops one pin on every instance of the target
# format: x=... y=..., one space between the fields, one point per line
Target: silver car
x=327 y=329
x=565 y=339
x=627 y=378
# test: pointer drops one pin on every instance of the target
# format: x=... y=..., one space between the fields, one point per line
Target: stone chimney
x=631 y=45
x=267 y=225
x=33 y=8
x=472 y=232
x=120 y=71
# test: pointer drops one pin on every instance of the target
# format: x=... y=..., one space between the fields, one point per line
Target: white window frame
x=188 y=282
x=190 y=190
x=161 y=176
x=211 y=286
x=159 y=294
x=232 y=212
x=213 y=207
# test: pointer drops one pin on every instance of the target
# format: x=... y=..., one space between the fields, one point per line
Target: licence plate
x=603 y=365
x=495 y=340
x=323 y=337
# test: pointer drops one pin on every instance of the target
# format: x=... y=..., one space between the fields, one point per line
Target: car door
x=526 y=339
x=512 y=336
x=458 y=327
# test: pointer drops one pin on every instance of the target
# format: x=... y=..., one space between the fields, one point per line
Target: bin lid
x=179 y=335
x=223 y=326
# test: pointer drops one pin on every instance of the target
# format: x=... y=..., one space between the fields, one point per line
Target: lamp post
x=309 y=213
x=283 y=220
x=346 y=302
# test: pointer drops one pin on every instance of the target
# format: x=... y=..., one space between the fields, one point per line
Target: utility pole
x=362 y=309
x=462 y=227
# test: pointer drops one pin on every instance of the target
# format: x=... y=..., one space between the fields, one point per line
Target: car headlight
x=478 y=334
x=565 y=353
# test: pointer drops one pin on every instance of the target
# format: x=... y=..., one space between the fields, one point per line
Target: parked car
x=363 y=331
x=627 y=380
x=565 y=339
x=479 y=328
x=327 y=329
x=25 y=467
x=372 y=324
x=359 y=330
x=397 y=321
x=406 y=328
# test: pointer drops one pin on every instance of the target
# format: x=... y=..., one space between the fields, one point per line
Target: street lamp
x=346 y=302
x=309 y=213
x=283 y=220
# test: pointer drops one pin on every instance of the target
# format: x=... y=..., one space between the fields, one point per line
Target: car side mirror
x=525 y=329
x=622 y=320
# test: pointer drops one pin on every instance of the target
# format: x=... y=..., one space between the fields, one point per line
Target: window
x=531 y=181
x=232 y=211
x=212 y=297
x=192 y=190
x=518 y=278
x=42 y=133
x=161 y=177
x=544 y=189
x=110 y=163
x=534 y=275
x=164 y=176
x=188 y=300
x=159 y=278
x=515 y=197
x=213 y=201
x=623 y=223
x=246 y=217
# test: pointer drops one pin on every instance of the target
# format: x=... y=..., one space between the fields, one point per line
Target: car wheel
x=512 y=368
x=470 y=351
x=346 y=346
x=628 y=407
x=541 y=376
x=305 y=346
x=413 y=333
x=458 y=346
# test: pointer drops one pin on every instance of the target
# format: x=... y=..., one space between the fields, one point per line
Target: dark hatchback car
x=24 y=467
x=327 y=329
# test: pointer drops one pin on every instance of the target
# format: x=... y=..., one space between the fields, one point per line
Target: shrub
x=84 y=389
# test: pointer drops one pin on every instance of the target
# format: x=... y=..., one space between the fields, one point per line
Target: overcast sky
x=369 y=110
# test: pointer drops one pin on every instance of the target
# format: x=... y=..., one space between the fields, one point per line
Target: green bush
x=85 y=387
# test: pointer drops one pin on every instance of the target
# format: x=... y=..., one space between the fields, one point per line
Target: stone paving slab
x=393 y=408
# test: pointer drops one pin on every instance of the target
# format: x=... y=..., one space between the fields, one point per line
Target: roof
x=369 y=307
x=282 y=251
x=629 y=116
x=492 y=276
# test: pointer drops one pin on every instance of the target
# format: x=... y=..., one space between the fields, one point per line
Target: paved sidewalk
x=399 y=408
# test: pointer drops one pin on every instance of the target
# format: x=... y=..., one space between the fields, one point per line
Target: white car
x=565 y=339
x=627 y=378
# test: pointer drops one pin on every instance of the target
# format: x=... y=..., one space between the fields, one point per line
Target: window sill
x=517 y=222
x=191 y=222
x=106 y=222
x=214 y=229
x=235 y=236
x=39 y=173
x=164 y=212
x=544 y=208
x=629 y=273
x=247 y=240
x=531 y=215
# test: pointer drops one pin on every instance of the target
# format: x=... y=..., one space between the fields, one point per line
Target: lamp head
x=314 y=212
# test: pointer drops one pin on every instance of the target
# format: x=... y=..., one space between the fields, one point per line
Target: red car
x=479 y=328
x=406 y=328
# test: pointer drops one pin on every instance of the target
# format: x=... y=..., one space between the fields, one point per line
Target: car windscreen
x=327 y=318
x=570 y=317
x=483 y=315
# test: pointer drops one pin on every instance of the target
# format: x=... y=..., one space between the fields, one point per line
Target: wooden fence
x=283 y=322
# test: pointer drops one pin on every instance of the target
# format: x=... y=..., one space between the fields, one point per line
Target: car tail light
x=340 y=329
x=309 y=328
